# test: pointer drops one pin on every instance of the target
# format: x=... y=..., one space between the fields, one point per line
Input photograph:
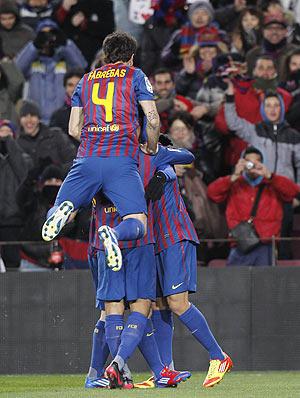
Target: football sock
x=100 y=351
x=149 y=349
x=195 y=321
x=164 y=326
x=51 y=211
x=129 y=229
x=131 y=337
x=114 y=325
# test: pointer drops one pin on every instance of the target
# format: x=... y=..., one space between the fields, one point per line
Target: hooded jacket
x=248 y=101
x=45 y=74
x=14 y=40
x=279 y=143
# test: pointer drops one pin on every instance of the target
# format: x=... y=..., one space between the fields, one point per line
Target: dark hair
x=252 y=11
x=265 y=57
x=185 y=117
x=118 y=46
x=161 y=71
x=263 y=5
x=285 y=71
x=252 y=149
x=78 y=72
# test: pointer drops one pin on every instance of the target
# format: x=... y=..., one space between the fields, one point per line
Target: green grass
x=235 y=385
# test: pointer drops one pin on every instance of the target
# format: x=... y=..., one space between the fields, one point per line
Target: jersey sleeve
x=174 y=156
x=143 y=87
x=76 y=97
x=168 y=172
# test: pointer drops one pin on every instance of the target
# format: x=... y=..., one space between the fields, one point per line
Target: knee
x=178 y=305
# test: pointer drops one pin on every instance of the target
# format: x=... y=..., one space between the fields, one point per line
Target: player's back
x=172 y=222
x=109 y=97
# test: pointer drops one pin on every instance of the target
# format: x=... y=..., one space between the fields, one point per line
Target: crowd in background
x=191 y=50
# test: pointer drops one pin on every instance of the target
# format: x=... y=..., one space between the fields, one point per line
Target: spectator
x=44 y=62
x=87 y=23
x=247 y=96
x=167 y=102
x=11 y=83
x=198 y=64
x=248 y=32
x=290 y=75
x=40 y=141
x=167 y=18
x=33 y=11
x=35 y=196
x=13 y=169
x=211 y=95
x=13 y=32
x=274 y=42
x=281 y=145
x=239 y=191
x=203 y=143
x=60 y=118
x=201 y=15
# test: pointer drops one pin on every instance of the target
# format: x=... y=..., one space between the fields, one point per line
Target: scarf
x=252 y=182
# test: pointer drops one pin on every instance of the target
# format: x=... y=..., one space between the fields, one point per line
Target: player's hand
x=155 y=189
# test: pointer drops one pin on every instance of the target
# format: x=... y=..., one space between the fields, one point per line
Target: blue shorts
x=93 y=264
x=177 y=269
x=135 y=280
x=117 y=177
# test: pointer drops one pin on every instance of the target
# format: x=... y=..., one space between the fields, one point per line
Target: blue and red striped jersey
x=109 y=97
x=171 y=220
x=106 y=213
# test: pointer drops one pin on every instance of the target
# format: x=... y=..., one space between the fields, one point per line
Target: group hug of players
x=142 y=241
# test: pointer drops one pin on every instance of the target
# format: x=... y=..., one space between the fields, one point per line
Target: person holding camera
x=44 y=62
x=254 y=199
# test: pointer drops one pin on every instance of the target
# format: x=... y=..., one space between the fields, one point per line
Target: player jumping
x=104 y=117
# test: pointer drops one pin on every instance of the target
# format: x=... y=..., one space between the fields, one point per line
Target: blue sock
x=114 y=325
x=149 y=349
x=163 y=326
x=51 y=211
x=100 y=351
x=195 y=321
x=131 y=337
x=129 y=229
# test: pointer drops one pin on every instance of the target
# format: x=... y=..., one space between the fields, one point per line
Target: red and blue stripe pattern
x=172 y=222
x=109 y=97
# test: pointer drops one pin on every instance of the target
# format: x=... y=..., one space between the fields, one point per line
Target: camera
x=249 y=165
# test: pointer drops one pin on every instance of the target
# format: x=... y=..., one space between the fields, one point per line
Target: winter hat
x=185 y=101
x=46 y=23
x=205 y=5
x=271 y=19
x=29 y=108
x=52 y=171
x=9 y=7
x=9 y=124
x=282 y=107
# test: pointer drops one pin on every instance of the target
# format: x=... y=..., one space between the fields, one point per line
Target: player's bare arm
x=76 y=122
x=153 y=124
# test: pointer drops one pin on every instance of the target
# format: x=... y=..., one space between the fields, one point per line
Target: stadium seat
x=217 y=263
x=288 y=263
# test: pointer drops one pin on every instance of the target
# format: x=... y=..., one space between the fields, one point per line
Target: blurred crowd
x=226 y=75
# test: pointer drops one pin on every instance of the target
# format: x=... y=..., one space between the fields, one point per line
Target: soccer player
x=175 y=248
x=134 y=283
x=104 y=117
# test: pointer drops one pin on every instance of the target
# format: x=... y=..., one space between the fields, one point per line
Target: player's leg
x=123 y=186
x=81 y=184
x=181 y=278
x=100 y=351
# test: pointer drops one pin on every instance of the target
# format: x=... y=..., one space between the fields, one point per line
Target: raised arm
x=241 y=127
x=152 y=124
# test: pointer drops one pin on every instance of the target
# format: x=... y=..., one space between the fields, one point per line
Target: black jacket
x=14 y=164
x=49 y=142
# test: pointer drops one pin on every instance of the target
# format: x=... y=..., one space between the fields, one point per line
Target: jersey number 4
x=107 y=102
